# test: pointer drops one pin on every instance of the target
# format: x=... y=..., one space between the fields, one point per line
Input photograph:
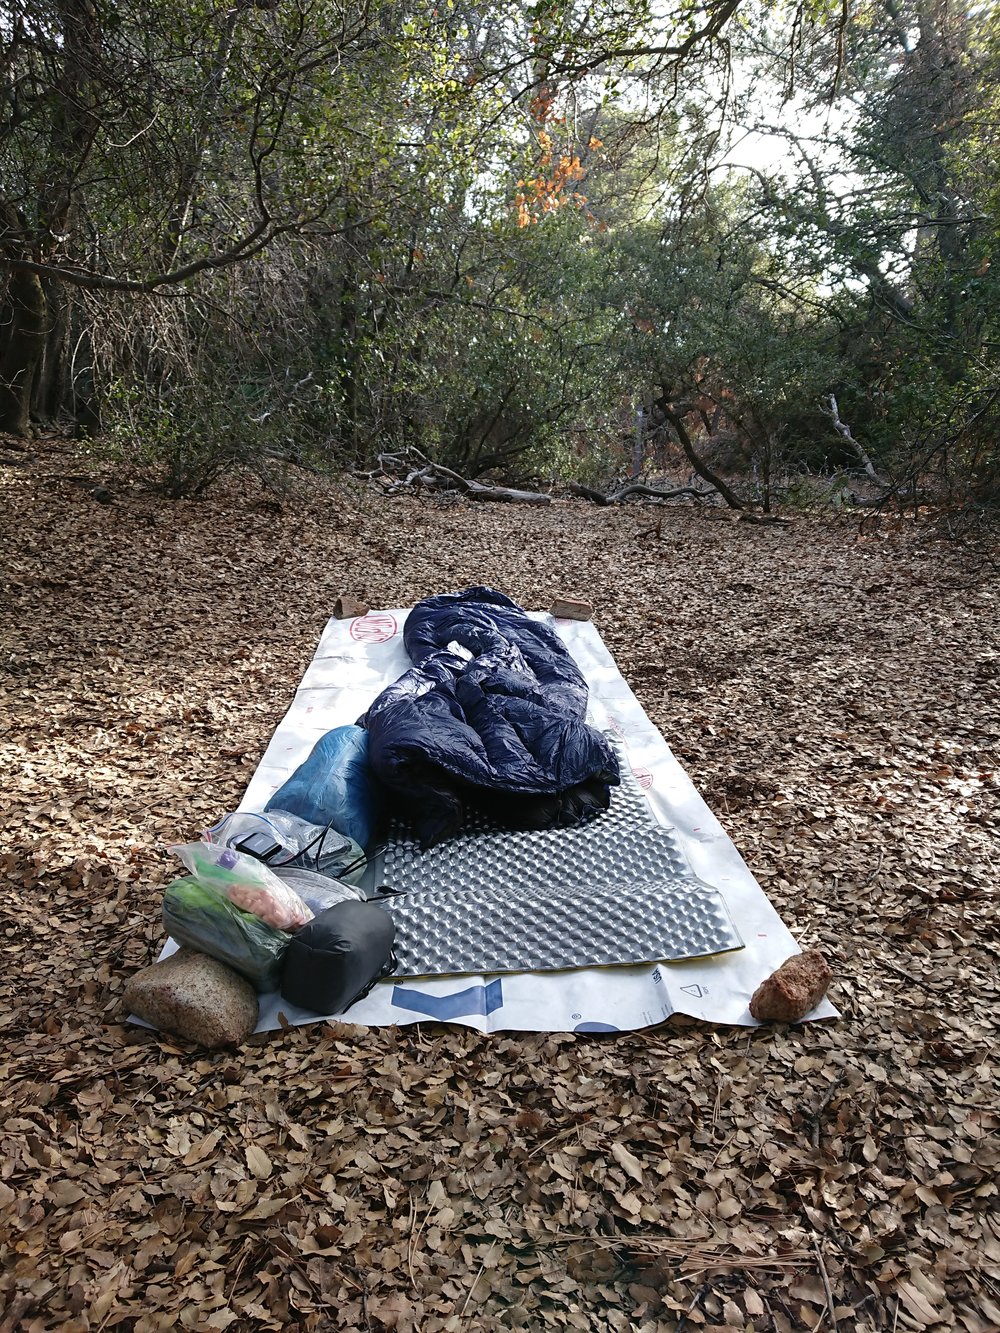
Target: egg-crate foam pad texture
x=491 y=930
x=612 y=892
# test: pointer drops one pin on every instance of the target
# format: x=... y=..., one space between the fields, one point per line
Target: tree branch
x=676 y=419
x=833 y=412
x=257 y=240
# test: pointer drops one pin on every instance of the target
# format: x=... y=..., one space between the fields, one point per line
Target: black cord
x=301 y=853
x=319 y=851
x=361 y=860
x=301 y=856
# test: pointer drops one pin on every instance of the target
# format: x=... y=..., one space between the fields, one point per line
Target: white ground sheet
x=358 y=658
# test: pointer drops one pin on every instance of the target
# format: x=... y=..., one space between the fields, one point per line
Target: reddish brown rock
x=347 y=607
x=571 y=608
x=794 y=990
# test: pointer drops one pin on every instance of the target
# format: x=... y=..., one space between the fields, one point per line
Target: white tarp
x=358 y=658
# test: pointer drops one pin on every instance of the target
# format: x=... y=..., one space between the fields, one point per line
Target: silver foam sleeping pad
x=616 y=891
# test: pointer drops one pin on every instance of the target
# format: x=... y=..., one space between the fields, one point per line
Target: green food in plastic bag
x=246 y=882
x=202 y=918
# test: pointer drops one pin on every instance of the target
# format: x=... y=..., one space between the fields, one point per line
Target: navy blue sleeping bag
x=491 y=717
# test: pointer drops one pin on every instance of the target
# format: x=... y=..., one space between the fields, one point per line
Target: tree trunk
x=74 y=122
x=191 y=170
x=699 y=464
x=348 y=336
x=23 y=317
x=32 y=334
x=52 y=392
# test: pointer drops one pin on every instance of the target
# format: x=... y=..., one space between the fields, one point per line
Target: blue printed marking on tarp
x=474 y=1000
x=596 y=1027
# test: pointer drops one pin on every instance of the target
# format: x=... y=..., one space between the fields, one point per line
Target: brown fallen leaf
x=258 y=1161
x=629 y=1164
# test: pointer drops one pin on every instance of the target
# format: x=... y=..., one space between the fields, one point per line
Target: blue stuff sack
x=334 y=786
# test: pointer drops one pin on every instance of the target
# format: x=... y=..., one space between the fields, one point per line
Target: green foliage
x=896 y=215
x=491 y=232
x=737 y=353
x=182 y=442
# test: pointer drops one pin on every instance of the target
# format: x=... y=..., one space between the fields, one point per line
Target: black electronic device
x=261 y=846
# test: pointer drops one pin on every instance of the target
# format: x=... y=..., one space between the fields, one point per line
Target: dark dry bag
x=338 y=956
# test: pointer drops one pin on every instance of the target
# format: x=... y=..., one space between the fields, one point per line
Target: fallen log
x=476 y=491
x=588 y=493
x=636 y=488
x=654 y=492
x=411 y=470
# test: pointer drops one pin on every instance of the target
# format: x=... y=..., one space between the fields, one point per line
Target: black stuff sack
x=338 y=956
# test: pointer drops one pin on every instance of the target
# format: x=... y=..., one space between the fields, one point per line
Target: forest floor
x=831 y=688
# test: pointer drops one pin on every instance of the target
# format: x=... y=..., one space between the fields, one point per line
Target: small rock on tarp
x=571 y=608
x=347 y=607
x=794 y=990
x=195 y=997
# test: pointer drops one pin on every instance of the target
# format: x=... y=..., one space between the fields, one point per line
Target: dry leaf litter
x=832 y=689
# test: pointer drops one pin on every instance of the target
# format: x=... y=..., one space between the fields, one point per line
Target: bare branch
x=252 y=244
x=833 y=412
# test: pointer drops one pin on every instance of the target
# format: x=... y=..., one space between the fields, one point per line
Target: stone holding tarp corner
x=792 y=991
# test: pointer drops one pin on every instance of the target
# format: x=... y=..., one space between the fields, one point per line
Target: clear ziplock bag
x=198 y=915
x=279 y=838
x=246 y=882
